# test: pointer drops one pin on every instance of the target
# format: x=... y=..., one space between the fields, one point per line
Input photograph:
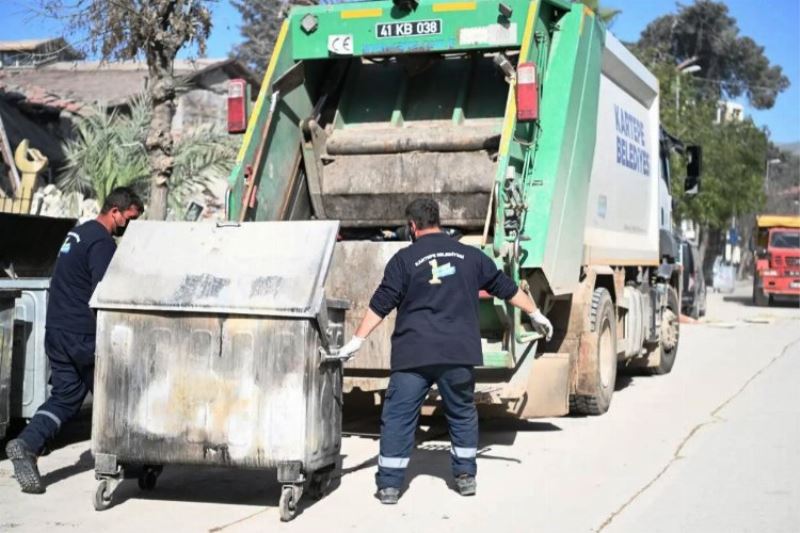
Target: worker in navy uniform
x=70 y=329
x=434 y=285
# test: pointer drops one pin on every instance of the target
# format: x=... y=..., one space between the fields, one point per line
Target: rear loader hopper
x=491 y=108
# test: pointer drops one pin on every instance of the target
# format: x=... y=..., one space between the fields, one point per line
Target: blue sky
x=774 y=24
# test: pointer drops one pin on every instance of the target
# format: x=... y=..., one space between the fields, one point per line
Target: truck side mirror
x=693 y=169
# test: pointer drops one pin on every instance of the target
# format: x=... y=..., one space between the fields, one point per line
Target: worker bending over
x=434 y=285
x=69 y=339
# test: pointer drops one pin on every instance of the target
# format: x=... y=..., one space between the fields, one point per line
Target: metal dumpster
x=203 y=359
x=7 y=299
x=29 y=247
x=30 y=368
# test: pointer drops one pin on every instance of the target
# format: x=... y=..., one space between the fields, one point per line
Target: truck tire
x=759 y=298
x=602 y=341
x=670 y=335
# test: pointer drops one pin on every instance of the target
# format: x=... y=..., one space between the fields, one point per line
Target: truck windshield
x=785 y=239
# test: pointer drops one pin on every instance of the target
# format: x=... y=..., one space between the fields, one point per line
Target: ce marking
x=340 y=44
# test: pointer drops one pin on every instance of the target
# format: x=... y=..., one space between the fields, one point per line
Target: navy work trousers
x=404 y=397
x=71 y=357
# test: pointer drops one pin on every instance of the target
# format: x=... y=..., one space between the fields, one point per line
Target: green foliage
x=606 y=14
x=783 y=189
x=261 y=22
x=732 y=65
x=734 y=152
x=733 y=175
x=260 y=26
x=109 y=152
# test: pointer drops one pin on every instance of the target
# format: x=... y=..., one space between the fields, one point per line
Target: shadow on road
x=433 y=458
x=207 y=485
x=779 y=302
x=231 y=486
x=624 y=381
x=84 y=463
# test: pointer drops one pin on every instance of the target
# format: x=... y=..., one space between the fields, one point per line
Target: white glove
x=542 y=324
x=348 y=350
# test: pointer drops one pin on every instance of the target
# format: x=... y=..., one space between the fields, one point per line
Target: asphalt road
x=714 y=446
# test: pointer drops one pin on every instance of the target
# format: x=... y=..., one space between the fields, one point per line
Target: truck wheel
x=670 y=334
x=759 y=298
x=598 y=373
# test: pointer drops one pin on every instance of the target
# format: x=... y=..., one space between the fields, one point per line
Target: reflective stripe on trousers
x=404 y=398
x=393 y=462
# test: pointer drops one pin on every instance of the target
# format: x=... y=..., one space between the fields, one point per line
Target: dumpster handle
x=228 y=224
x=332 y=356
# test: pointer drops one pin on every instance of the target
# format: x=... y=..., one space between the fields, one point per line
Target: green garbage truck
x=536 y=131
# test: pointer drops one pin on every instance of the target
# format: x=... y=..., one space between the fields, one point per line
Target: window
x=785 y=239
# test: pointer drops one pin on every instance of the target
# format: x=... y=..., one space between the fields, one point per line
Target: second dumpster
x=203 y=359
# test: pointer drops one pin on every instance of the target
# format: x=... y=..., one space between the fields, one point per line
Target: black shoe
x=466 y=485
x=25 y=469
x=389 y=495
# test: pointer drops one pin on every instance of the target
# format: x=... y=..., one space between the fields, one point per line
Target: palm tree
x=109 y=152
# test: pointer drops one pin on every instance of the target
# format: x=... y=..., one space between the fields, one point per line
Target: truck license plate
x=405 y=29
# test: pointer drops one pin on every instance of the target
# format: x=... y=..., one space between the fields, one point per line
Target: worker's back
x=434 y=283
x=82 y=261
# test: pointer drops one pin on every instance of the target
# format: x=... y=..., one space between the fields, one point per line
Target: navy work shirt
x=81 y=264
x=434 y=285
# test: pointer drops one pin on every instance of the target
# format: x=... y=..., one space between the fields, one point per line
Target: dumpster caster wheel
x=102 y=496
x=147 y=480
x=288 y=503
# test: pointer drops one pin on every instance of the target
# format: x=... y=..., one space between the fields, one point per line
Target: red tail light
x=527 y=92
x=237 y=106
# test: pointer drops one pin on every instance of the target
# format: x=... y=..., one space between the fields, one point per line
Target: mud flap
x=546 y=391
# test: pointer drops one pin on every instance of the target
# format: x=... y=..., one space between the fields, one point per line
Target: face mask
x=119 y=231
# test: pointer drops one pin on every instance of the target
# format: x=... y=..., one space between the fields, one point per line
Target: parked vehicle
x=777 y=250
x=693 y=297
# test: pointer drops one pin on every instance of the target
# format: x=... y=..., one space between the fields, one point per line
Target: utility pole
x=771 y=162
x=684 y=68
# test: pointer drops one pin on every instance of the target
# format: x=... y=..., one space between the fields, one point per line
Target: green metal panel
x=497 y=360
x=559 y=181
x=457 y=90
x=549 y=160
x=282 y=146
x=460 y=27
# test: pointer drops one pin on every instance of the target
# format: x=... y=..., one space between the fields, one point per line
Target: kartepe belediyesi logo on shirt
x=65 y=248
x=440 y=271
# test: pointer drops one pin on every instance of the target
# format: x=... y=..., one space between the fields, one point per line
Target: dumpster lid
x=29 y=244
x=254 y=268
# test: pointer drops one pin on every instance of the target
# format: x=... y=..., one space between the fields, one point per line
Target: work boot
x=389 y=495
x=466 y=485
x=25 y=469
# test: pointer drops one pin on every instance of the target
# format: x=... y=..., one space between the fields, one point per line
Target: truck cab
x=777 y=251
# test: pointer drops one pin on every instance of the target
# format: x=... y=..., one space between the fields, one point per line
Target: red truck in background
x=777 y=250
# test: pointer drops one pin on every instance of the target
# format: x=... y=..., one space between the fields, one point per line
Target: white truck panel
x=623 y=211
